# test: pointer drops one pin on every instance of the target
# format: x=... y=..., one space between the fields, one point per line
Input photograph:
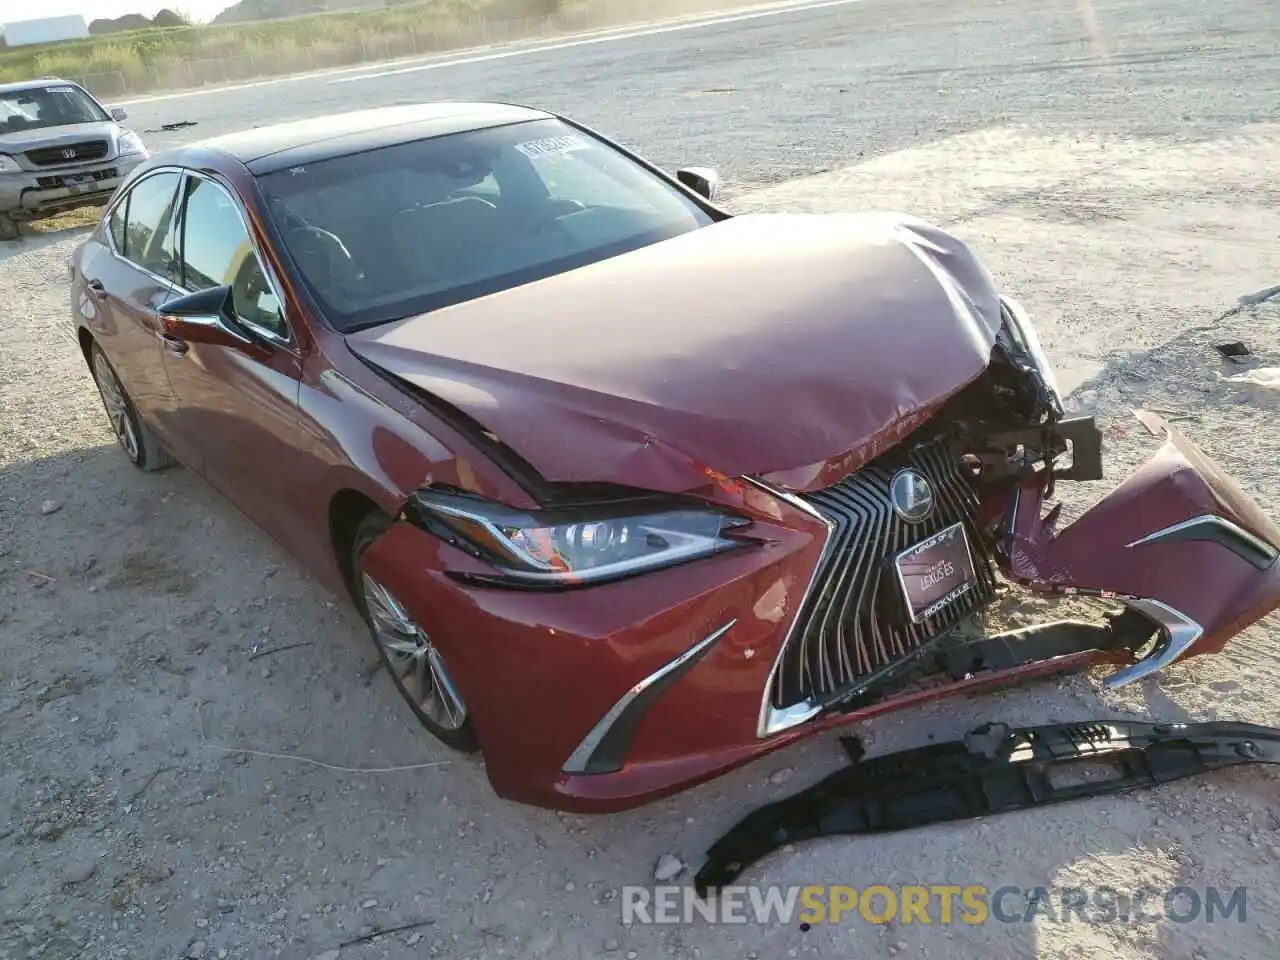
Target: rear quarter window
x=148 y=240
x=116 y=224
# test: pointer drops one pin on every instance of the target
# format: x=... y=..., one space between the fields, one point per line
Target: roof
x=281 y=145
x=33 y=83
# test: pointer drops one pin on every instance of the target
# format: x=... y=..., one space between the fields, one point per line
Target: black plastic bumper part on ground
x=994 y=769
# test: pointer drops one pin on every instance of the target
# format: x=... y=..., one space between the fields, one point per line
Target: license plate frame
x=948 y=545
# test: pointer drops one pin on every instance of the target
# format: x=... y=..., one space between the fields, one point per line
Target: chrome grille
x=855 y=621
x=80 y=152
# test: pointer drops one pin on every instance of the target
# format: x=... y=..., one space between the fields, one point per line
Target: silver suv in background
x=59 y=149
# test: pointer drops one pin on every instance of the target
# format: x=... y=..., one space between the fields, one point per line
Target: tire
x=442 y=709
x=9 y=229
x=135 y=438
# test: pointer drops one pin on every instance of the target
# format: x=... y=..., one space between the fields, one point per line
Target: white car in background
x=59 y=149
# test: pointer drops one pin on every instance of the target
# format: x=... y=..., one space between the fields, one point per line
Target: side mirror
x=701 y=180
x=119 y=113
x=206 y=316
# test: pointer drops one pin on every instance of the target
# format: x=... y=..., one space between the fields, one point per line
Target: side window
x=216 y=250
x=147 y=240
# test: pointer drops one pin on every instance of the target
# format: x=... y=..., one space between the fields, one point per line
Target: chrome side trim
x=1212 y=520
x=771 y=719
x=581 y=756
x=1177 y=633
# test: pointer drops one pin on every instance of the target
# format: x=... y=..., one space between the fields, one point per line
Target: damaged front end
x=918 y=538
x=682 y=632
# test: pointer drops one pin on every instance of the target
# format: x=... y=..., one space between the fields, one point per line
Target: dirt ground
x=197 y=750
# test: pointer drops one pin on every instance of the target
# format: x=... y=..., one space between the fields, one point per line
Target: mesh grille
x=855 y=620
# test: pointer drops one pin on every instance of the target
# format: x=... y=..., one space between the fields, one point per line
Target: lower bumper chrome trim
x=772 y=719
x=1216 y=529
x=1177 y=633
x=605 y=746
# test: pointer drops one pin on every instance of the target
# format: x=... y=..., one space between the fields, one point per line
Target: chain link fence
x=194 y=73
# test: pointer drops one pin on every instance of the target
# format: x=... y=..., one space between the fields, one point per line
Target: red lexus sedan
x=630 y=491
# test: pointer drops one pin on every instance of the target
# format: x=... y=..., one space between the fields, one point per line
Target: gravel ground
x=1129 y=201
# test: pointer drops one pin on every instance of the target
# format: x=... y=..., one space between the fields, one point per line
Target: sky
x=94 y=9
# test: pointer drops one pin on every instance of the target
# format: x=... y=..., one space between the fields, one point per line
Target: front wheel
x=415 y=664
x=137 y=442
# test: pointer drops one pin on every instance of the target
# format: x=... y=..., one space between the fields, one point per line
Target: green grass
x=175 y=57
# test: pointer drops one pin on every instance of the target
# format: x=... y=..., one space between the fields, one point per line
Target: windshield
x=402 y=230
x=53 y=106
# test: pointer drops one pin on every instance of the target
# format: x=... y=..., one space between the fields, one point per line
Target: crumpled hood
x=19 y=141
x=758 y=345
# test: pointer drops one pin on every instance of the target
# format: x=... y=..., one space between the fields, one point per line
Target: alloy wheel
x=415 y=663
x=117 y=409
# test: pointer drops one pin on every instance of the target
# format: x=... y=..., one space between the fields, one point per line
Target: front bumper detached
x=613 y=696
x=994 y=769
x=1178 y=542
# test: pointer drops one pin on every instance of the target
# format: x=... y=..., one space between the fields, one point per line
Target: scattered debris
x=779 y=777
x=170 y=127
x=257 y=654
x=337 y=768
x=667 y=868
x=1235 y=351
x=369 y=937
x=50 y=506
x=1260 y=377
x=40 y=579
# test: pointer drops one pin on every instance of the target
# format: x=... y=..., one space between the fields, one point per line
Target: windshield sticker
x=552 y=146
x=59 y=89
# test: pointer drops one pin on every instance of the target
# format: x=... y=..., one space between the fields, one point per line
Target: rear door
x=125 y=279
x=237 y=402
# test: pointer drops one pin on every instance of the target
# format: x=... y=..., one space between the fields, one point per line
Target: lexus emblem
x=69 y=153
x=911 y=495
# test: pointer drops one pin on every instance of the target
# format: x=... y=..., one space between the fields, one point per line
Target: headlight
x=130 y=144
x=1025 y=339
x=8 y=164
x=559 y=548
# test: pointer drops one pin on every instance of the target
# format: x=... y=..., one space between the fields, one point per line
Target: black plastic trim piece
x=956 y=657
x=994 y=769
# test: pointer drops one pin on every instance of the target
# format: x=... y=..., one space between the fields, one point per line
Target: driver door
x=237 y=402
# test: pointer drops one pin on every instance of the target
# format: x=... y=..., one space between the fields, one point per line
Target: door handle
x=173 y=345
x=97 y=289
